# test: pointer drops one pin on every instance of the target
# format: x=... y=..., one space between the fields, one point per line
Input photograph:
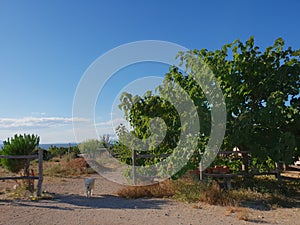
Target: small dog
x=89 y=186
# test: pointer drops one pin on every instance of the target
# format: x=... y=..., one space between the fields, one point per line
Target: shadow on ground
x=72 y=202
x=112 y=202
x=266 y=206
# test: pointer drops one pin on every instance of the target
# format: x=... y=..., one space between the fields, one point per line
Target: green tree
x=19 y=145
x=56 y=151
x=261 y=90
x=262 y=96
x=71 y=151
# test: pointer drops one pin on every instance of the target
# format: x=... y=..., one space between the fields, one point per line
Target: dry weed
x=159 y=190
x=214 y=195
x=67 y=168
x=243 y=214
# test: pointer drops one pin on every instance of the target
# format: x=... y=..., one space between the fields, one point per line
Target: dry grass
x=264 y=193
x=19 y=191
x=184 y=190
x=158 y=190
x=190 y=191
x=58 y=167
x=241 y=213
x=214 y=195
x=67 y=168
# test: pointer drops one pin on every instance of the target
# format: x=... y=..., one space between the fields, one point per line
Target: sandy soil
x=70 y=206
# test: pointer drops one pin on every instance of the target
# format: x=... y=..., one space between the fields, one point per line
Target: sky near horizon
x=46 y=47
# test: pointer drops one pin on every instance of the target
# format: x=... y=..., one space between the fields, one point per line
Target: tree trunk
x=27 y=173
x=279 y=169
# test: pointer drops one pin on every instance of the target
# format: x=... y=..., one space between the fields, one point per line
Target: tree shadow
x=111 y=202
x=267 y=206
x=256 y=205
x=72 y=202
x=257 y=221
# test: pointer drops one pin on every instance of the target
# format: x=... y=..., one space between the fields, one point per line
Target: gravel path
x=70 y=206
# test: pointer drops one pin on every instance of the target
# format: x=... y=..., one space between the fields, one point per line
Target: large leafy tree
x=261 y=90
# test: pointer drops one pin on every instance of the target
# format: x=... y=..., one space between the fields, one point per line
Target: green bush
x=90 y=147
x=72 y=151
x=19 y=145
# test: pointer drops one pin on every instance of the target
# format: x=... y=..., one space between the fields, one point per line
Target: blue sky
x=46 y=46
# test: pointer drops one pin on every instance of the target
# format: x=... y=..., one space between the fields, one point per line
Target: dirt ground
x=70 y=206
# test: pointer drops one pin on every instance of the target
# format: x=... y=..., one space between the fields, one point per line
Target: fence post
x=245 y=159
x=40 y=181
x=200 y=171
x=278 y=168
x=133 y=166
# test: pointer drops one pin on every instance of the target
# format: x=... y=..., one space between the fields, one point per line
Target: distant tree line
x=54 y=151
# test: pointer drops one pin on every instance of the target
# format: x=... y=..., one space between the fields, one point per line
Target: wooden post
x=133 y=166
x=200 y=171
x=278 y=167
x=40 y=182
x=245 y=162
x=27 y=174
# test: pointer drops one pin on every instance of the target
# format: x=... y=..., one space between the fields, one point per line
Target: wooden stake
x=133 y=166
x=40 y=182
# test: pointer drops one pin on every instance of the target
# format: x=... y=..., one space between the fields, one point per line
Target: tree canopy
x=261 y=91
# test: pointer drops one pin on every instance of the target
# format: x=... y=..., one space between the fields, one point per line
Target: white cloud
x=62 y=134
x=37 y=122
x=58 y=129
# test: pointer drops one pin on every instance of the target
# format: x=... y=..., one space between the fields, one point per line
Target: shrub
x=19 y=145
x=90 y=147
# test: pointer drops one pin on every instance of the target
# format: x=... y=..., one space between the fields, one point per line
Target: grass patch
x=259 y=191
x=191 y=191
x=18 y=192
x=265 y=190
x=67 y=168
